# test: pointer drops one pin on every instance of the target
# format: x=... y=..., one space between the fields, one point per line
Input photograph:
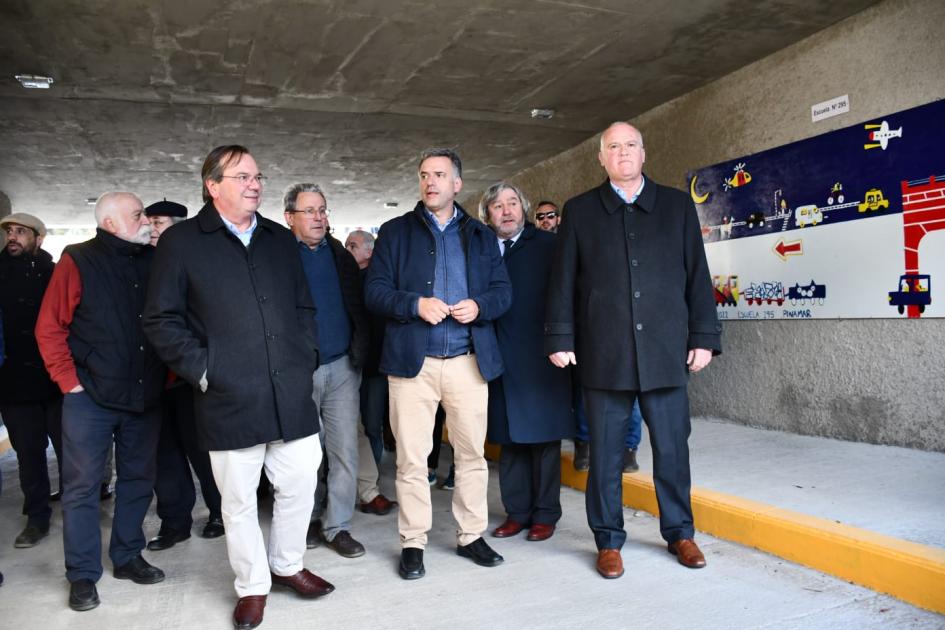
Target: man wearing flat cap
x=30 y=403
x=177 y=447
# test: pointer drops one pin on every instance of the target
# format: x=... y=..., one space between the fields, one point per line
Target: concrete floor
x=550 y=584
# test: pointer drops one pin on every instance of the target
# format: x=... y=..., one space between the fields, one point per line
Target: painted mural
x=847 y=224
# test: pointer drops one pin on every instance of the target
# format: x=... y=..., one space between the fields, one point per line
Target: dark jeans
x=634 y=433
x=174 y=485
x=88 y=431
x=530 y=482
x=31 y=427
x=374 y=405
x=667 y=417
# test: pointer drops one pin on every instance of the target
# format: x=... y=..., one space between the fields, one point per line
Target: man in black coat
x=631 y=305
x=177 y=448
x=530 y=403
x=229 y=311
x=30 y=403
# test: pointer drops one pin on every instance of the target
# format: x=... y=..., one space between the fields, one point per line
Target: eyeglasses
x=541 y=216
x=245 y=178
x=313 y=212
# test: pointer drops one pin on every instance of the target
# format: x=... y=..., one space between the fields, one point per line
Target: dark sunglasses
x=541 y=216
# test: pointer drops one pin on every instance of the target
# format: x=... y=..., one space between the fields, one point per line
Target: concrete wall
x=880 y=381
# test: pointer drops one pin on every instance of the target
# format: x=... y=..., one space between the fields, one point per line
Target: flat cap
x=26 y=220
x=166 y=209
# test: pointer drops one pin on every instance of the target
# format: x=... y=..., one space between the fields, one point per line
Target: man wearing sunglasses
x=547 y=216
x=229 y=311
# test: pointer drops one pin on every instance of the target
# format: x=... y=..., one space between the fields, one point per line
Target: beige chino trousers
x=456 y=384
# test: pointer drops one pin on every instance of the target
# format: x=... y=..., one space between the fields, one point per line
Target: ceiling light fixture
x=544 y=114
x=34 y=81
x=91 y=201
x=390 y=204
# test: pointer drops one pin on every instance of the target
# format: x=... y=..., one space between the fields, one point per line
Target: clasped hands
x=434 y=310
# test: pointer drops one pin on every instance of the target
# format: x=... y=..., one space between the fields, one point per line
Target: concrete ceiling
x=345 y=93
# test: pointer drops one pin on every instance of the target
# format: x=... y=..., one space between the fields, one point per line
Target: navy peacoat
x=531 y=402
x=403 y=269
x=630 y=291
x=246 y=317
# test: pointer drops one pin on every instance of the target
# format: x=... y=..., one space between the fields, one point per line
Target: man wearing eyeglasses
x=335 y=283
x=437 y=276
x=229 y=311
x=547 y=216
x=631 y=304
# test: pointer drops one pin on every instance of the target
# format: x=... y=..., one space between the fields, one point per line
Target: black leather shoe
x=30 y=537
x=56 y=496
x=411 y=563
x=214 y=528
x=105 y=492
x=167 y=538
x=345 y=545
x=480 y=553
x=83 y=595
x=139 y=571
x=630 y=464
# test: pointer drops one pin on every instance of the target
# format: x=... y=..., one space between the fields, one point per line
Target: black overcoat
x=630 y=289
x=531 y=402
x=246 y=317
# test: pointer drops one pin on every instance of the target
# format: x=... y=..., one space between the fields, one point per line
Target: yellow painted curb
x=908 y=571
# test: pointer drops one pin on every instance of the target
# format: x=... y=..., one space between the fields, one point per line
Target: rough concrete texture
x=550 y=584
x=869 y=380
x=345 y=90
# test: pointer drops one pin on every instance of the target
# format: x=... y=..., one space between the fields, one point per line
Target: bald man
x=90 y=337
x=630 y=254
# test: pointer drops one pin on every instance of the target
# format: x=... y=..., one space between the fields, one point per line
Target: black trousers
x=174 y=485
x=530 y=482
x=439 y=420
x=666 y=413
x=31 y=426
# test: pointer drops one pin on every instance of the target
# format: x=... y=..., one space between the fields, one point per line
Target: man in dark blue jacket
x=437 y=276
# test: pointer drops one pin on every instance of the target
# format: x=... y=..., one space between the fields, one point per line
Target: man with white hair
x=90 y=337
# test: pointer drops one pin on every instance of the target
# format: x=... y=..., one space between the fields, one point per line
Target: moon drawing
x=696 y=197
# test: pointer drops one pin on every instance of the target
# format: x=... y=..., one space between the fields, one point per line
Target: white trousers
x=292 y=468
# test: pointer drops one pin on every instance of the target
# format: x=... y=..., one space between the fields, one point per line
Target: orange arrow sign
x=783 y=250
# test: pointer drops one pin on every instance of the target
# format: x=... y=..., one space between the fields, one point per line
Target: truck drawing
x=873 y=200
x=808 y=293
x=769 y=292
x=807 y=215
x=726 y=290
x=914 y=290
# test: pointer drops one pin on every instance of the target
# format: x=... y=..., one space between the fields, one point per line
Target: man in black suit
x=641 y=316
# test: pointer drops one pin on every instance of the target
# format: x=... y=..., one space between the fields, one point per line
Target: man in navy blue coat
x=437 y=277
x=530 y=404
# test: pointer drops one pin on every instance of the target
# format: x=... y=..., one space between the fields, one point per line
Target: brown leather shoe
x=540 y=531
x=379 y=505
x=249 y=611
x=508 y=528
x=687 y=552
x=609 y=563
x=305 y=583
